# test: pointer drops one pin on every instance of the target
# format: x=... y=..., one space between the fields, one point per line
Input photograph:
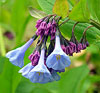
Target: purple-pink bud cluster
x=34 y=58
x=46 y=28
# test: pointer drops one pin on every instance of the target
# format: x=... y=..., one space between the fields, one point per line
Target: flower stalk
x=64 y=22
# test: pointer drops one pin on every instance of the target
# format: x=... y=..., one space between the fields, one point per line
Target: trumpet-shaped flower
x=57 y=60
x=16 y=56
x=26 y=69
x=40 y=73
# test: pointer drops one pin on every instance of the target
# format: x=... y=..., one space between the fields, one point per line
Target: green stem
x=64 y=22
x=94 y=23
x=2 y=46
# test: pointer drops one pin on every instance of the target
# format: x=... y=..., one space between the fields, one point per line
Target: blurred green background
x=83 y=76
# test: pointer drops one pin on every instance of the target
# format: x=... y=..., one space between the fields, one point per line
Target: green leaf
x=2 y=60
x=26 y=86
x=98 y=44
x=93 y=6
x=72 y=81
x=40 y=90
x=9 y=78
x=86 y=84
x=80 y=12
x=36 y=13
x=93 y=49
x=46 y=5
x=61 y=8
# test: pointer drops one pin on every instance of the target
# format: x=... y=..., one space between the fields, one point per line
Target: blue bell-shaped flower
x=16 y=56
x=40 y=73
x=58 y=60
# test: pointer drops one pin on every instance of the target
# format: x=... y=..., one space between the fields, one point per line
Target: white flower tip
x=7 y=55
x=20 y=71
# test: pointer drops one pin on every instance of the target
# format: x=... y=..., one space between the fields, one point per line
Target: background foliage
x=83 y=76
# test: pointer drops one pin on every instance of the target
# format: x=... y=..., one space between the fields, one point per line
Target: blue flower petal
x=12 y=53
x=51 y=60
x=33 y=77
x=16 y=56
x=26 y=69
x=60 y=62
x=17 y=60
x=65 y=59
x=39 y=74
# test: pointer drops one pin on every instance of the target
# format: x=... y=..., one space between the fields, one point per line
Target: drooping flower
x=26 y=69
x=71 y=48
x=41 y=29
x=34 y=57
x=16 y=56
x=68 y=50
x=53 y=30
x=79 y=47
x=40 y=73
x=57 y=60
x=84 y=42
x=43 y=25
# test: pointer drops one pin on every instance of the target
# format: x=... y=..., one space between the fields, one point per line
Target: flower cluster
x=73 y=45
x=47 y=62
x=47 y=27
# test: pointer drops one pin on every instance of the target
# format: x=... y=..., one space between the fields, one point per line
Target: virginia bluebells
x=16 y=56
x=40 y=73
x=47 y=61
x=58 y=60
